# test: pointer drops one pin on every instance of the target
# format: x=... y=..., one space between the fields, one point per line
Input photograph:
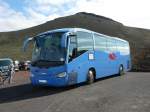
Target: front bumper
x=49 y=81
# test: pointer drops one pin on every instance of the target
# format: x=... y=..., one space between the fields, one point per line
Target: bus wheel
x=90 y=77
x=121 y=70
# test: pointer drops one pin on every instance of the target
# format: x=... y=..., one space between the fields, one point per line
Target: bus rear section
x=97 y=54
x=69 y=56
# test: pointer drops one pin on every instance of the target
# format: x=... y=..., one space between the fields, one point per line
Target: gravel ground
x=128 y=93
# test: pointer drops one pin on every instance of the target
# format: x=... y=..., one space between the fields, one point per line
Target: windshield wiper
x=47 y=63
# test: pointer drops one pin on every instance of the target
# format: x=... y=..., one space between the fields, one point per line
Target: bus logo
x=112 y=56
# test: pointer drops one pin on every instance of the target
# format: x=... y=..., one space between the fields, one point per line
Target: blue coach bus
x=69 y=56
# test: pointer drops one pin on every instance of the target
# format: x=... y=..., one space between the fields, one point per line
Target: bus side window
x=100 y=42
x=123 y=47
x=111 y=45
x=84 y=42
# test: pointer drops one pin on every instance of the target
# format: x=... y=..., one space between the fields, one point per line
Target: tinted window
x=111 y=44
x=85 y=42
x=100 y=42
x=123 y=47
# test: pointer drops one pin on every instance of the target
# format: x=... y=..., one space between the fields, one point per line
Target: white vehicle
x=27 y=64
x=16 y=65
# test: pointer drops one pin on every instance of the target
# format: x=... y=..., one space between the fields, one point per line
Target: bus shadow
x=26 y=91
x=107 y=77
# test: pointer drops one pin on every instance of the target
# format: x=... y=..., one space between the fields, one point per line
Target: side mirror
x=26 y=43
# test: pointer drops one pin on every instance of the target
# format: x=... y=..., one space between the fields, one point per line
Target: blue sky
x=20 y=14
x=16 y=4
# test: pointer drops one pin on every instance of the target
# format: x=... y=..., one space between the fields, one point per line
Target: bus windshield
x=49 y=50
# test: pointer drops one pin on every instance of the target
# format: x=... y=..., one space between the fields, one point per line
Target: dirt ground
x=20 y=77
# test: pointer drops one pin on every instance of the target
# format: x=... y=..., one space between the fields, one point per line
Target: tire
x=121 y=70
x=90 y=77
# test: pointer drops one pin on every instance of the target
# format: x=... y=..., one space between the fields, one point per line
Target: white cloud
x=129 y=12
x=12 y=20
x=15 y=20
x=8 y=18
x=52 y=2
x=49 y=7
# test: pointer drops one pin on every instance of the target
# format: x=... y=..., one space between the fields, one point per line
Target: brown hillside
x=139 y=39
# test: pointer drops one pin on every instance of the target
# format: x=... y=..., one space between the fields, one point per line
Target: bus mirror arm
x=26 y=43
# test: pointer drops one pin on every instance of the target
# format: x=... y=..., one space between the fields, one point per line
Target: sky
x=21 y=14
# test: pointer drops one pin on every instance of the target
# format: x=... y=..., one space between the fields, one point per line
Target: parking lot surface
x=128 y=93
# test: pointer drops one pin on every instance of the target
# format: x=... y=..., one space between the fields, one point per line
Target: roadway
x=128 y=93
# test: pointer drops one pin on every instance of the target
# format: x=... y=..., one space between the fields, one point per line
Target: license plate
x=42 y=81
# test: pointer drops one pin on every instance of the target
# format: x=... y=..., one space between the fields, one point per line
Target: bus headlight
x=32 y=75
x=63 y=74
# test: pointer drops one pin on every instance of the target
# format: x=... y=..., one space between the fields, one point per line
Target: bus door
x=72 y=65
